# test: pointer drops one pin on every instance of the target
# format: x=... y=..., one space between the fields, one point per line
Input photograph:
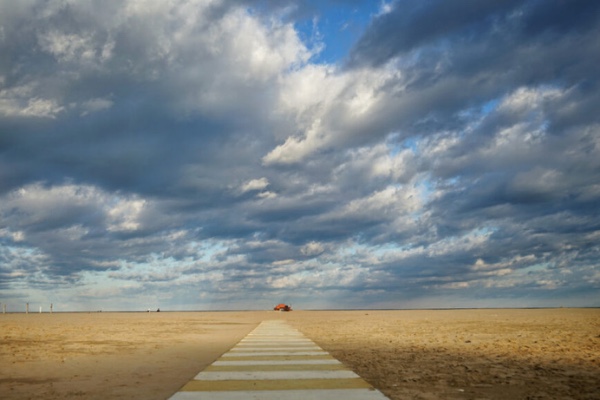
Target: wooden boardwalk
x=273 y=362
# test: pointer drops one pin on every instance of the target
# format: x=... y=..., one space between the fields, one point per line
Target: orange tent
x=282 y=307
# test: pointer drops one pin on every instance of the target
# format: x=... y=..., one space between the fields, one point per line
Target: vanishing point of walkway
x=273 y=362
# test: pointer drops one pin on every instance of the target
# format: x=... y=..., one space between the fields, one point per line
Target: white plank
x=285 y=348
x=330 y=394
x=263 y=339
x=278 y=362
x=275 y=353
x=273 y=375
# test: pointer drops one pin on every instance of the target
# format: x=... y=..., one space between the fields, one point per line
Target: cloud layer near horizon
x=198 y=154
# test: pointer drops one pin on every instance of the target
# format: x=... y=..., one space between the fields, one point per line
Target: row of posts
x=27 y=308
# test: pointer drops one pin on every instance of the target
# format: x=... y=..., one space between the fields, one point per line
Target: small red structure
x=282 y=307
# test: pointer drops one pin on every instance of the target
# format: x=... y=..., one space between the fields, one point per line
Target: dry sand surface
x=112 y=355
x=467 y=354
x=462 y=354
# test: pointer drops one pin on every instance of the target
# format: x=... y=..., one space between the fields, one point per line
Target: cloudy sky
x=221 y=154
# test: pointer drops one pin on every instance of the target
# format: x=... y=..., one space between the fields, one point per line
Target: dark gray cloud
x=193 y=155
x=412 y=25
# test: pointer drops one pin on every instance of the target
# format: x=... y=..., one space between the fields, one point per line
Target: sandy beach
x=423 y=354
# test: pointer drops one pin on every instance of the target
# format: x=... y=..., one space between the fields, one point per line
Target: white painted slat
x=329 y=394
x=275 y=353
x=280 y=339
x=274 y=344
x=273 y=375
x=278 y=362
x=285 y=342
x=267 y=349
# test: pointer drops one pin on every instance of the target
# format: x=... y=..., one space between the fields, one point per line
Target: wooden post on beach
x=27 y=308
x=50 y=308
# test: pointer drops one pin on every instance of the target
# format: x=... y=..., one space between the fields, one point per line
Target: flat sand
x=445 y=354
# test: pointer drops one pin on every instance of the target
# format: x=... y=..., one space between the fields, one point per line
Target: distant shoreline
x=307 y=309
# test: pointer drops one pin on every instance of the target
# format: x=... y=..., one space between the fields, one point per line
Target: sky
x=220 y=154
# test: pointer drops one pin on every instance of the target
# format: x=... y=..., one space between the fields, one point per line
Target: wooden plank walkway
x=275 y=361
